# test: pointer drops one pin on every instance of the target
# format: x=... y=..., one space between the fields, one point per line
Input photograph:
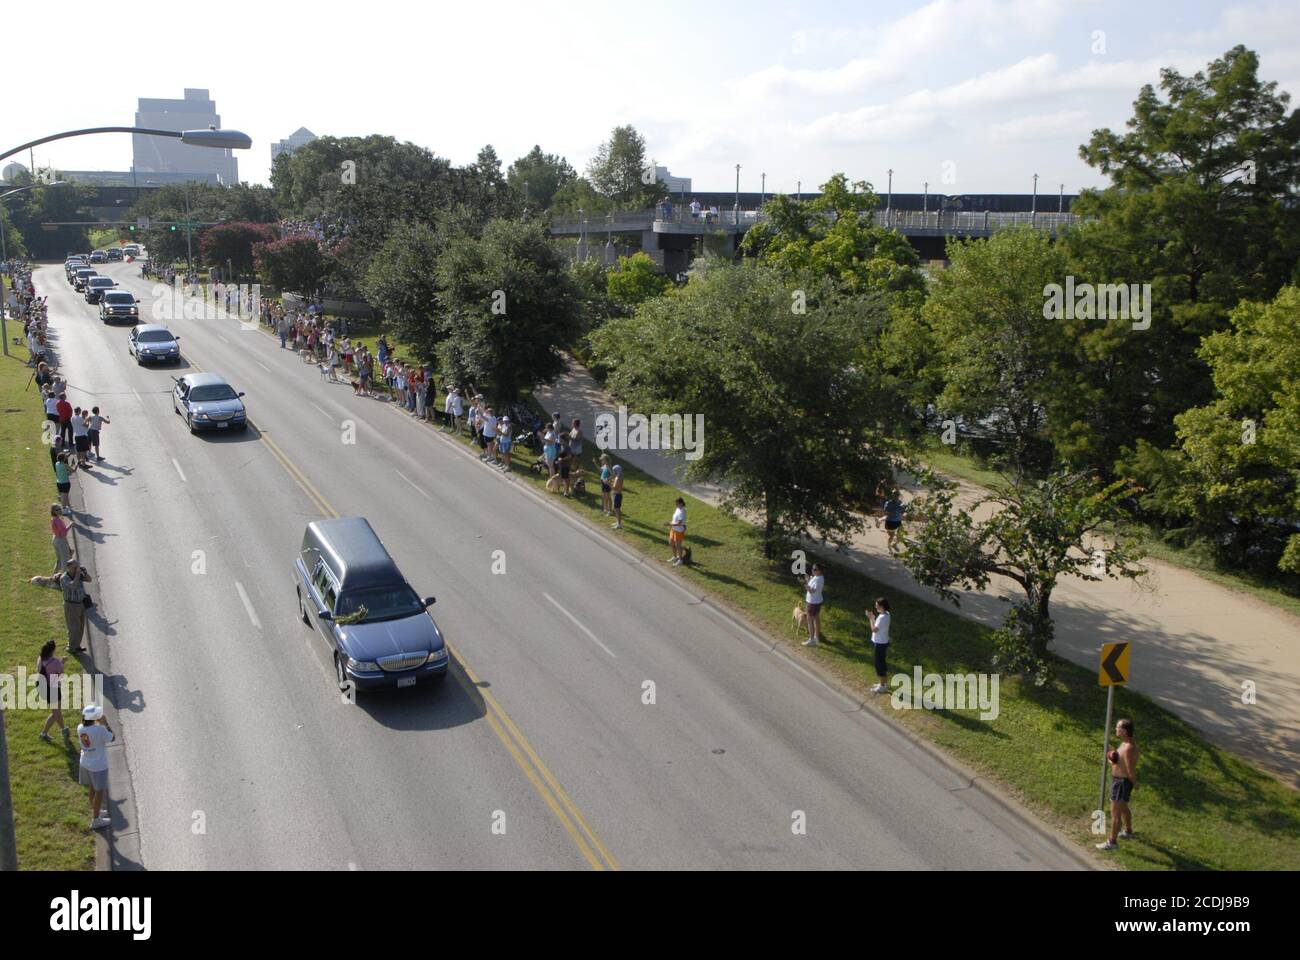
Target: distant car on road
x=131 y=249
x=72 y=265
x=95 y=287
x=208 y=402
x=114 y=253
x=153 y=343
x=377 y=630
x=98 y=256
x=81 y=275
x=119 y=305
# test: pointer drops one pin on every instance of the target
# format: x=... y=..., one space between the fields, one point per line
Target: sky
x=971 y=96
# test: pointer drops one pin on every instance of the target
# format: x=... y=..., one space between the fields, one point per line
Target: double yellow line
x=543 y=781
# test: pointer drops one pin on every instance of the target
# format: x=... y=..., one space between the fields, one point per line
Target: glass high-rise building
x=195 y=111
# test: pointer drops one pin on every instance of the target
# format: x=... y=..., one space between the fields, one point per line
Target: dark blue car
x=376 y=629
x=207 y=402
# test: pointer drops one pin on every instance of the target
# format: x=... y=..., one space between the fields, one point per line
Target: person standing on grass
x=95 y=735
x=52 y=413
x=72 y=583
x=880 y=621
x=97 y=421
x=59 y=529
x=814 y=584
x=504 y=441
x=1123 y=778
x=605 y=505
x=50 y=668
x=616 y=493
x=677 y=532
x=63 y=470
x=550 y=450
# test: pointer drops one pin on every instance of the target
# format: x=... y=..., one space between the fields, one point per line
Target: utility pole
x=1033 y=204
x=889 y=193
x=737 y=211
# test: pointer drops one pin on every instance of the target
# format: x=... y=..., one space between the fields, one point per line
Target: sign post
x=1113 y=673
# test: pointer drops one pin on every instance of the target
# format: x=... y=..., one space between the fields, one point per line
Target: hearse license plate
x=405 y=682
x=222 y=426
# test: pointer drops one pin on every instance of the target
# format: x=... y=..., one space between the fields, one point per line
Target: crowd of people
x=73 y=437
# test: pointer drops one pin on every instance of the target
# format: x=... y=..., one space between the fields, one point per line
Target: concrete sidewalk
x=1195 y=643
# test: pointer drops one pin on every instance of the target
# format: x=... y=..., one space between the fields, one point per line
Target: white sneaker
x=810 y=643
x=880 y=688
x=1108 y=845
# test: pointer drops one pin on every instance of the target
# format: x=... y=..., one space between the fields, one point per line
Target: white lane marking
x=248 y=605
x=222 y=339
x=594 y=638
x=179 y=470
x=262 y=365
x=412 y=483
x=137 y=394
x=328 y=415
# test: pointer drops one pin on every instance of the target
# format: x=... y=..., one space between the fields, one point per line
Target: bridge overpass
x=672 y=238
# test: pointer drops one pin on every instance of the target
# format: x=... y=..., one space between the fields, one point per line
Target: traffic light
x=173 y=228
x=131 y=228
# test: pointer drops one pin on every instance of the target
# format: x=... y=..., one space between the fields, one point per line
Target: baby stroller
x=526 y=424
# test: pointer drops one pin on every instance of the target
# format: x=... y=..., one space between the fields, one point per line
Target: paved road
x=1195 y=643
x=231 y=719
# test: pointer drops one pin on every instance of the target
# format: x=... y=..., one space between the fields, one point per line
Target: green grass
x=1197 y=807
x=50 y=810
x=955 y=462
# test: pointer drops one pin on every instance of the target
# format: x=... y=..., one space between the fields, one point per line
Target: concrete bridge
x=672 y=238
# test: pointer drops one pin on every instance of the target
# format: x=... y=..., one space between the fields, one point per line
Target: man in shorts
x=1123 y=778
x=616 y=490
x=95 y=735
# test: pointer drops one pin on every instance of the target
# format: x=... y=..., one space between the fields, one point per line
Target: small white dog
x=800 y=617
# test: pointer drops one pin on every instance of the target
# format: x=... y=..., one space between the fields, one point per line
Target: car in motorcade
x=72 y=265
x=98 y=256
x=376 y=629
x=131 y=249
x=118 y=304
x=114 y=253
x=208 y=402
x=153 y=343
x=81 y=275
x=95 y=287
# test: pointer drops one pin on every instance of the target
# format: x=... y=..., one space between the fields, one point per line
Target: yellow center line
x=543 y=781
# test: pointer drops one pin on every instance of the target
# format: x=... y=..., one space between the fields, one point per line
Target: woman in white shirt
x=880 y=621
x=813 y=586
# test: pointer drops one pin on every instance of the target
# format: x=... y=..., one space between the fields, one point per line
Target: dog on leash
x=800 y=617
x=324 y=371
x=305 y=356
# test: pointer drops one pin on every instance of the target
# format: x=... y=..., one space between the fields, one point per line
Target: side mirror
x=241 y=393
x=177 y=338
x=137 y=300
x=324 y=614
x=428 y=602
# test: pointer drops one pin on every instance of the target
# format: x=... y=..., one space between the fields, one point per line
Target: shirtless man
x=1123 y=778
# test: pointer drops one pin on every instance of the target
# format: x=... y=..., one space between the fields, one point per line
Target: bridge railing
x=966 y=220
x=946 y=220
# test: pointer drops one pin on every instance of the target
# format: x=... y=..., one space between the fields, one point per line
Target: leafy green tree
x=796 y=423
x=1201 y=206
x=834 y=236
x=634 y=280
x=1233 y=477
x=619 y=170
x=1036 y=532
x=997 y=352
x=402 y=282
x=536 y=177
x=508 y=307
x=579 y=194
x=46 y=204
x=295 y=264
x=233 y=243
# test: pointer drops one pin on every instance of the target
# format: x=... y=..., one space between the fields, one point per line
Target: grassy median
x=50 y=812
x=1198 y=807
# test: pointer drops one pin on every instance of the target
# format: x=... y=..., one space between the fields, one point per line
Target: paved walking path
x=1195 y=643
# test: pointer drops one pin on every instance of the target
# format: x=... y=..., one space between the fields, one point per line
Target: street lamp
x=1060 y=204
x=889 y=193
x=762 y=195
x=1033 y=204
x=211 y=137
x=737 y=210
x=4 y=258
x=925 y=197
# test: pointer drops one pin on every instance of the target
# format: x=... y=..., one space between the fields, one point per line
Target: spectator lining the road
x=72 y=583
x=49 y=669
x=616 y=492
x=606 y=506
x=97 y=421
x=677 y=532
x=880 y=622
x=63 y=470
x=813 y=587
x=59 y=537
x=95 y=735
